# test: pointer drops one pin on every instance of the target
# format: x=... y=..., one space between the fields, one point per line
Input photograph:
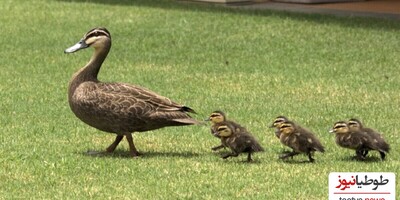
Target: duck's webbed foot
x=287 y=155
x=217 y=147
x=233 y=154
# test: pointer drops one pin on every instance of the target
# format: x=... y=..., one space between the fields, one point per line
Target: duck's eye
x=339 y=126
x=353 y=123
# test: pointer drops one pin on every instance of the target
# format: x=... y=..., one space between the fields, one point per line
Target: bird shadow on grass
x=369 y=159
x=292 y=161
x=126 y=154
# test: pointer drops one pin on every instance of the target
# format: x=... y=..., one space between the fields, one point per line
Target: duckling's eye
x=339 y=126
x=352 y=123
x=222 y=129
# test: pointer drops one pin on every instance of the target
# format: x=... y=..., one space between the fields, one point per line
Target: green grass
x=254 y=65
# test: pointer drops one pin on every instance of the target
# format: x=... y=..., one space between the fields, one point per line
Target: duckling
x=238 y=140
x=217 y=117
x=277 y=122
x=357 y=140
x=356 y=125
x=118 y=108
x=300 y=140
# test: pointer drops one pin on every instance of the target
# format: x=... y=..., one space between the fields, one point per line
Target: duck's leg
x=114 y=145
x=383 y=155
x=132 y=148
x=359 y=154
x=217 y=147
x=365 y=153
x=234 y=154
x=310 y=158
x=287 y=155
x=249 y=157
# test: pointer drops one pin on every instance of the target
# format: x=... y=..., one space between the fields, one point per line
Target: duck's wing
x=133 y=101
x=309 y=140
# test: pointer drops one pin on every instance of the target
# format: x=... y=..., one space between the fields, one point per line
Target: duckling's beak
x=331 y=131
x=78 y=46
x=207 y=119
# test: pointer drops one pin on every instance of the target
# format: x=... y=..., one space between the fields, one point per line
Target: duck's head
x=97 y=37
x=216 y=117
x=355 y=124
x=224 y=131
x=278 y=121
x=287 y=128
x=340 y=127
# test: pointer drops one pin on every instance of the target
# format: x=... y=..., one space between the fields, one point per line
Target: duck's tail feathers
x=187 y=109
x=188 y=121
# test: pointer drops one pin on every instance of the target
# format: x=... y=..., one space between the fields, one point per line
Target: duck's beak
x=78 y=46
x=207 y=119
x=331 y=131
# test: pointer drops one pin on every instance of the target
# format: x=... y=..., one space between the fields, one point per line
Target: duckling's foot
x=358 y=157
x=249 y=158
x=217 y=147
x=310 y=158
x=225 y=156
x=287 y=155
x=383 y=155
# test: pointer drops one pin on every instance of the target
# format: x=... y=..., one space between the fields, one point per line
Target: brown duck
x=357 y=140
x=216 y=118
x=118 y=108
x=238 y=140
x=299 y=139
x=377 y=138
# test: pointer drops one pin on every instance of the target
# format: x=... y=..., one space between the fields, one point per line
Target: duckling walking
x=357 y=140
x=299 y=139
x=238 y=140
x=355 y=125
x=216 y=118
x=118 y=108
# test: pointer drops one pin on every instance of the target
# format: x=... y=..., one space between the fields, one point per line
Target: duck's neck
x=91 y=69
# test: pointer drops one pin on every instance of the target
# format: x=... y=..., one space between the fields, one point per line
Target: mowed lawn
x=254 y=65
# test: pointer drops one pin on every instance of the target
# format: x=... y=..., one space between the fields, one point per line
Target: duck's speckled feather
x=122 y=108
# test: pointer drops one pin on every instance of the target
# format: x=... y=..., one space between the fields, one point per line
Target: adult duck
x=118 y=108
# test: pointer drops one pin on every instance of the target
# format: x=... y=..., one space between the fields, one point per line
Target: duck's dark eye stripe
x=285 y=126
x=340 y=126
x=214 y=115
